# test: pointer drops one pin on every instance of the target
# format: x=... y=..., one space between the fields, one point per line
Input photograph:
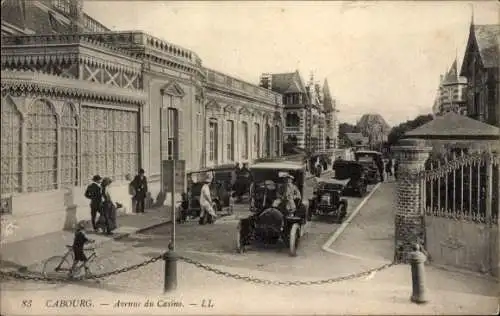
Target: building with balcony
x=304 y=111
x=79 y=100
x=481 y=68
x=452 y=93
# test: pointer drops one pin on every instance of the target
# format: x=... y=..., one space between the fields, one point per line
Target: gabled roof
x=487 y=38
x=357 y=138
x=455 y=126
x=452 y=75
x=288 y=83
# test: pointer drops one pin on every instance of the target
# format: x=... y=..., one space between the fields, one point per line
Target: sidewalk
x=26 y=253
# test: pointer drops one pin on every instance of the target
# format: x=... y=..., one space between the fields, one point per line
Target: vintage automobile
x=328 y=200
x=373 y=164
x=220 y=189
x=271 y=221
x=355 y=173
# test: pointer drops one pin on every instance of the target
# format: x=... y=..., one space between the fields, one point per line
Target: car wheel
x=294 y=239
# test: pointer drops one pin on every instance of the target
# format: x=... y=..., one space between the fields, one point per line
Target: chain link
x=283 y=283
x=32 y=277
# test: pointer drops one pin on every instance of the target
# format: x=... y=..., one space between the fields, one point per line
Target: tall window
x=256 y=139
x=278 y=139
x=109 y=142
x=173 y=132
x=212 y=141
x=244 y=135
x=69 y=149
x=230 y=140
x=268 y=140
x=41 y=147
x=292 y=120
x=11 y=148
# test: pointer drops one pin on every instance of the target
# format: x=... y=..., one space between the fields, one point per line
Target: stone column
x=409 y=221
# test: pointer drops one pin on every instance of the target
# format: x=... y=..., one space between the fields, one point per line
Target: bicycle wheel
x=56 y=267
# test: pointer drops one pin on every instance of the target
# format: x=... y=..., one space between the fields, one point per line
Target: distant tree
x=348 y=128
x=398 y=131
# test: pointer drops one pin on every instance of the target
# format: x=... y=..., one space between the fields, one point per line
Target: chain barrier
x=35 y=277
x=284 y=283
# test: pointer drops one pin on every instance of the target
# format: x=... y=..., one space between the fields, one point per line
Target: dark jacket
x=140 y=186
x=94 y=193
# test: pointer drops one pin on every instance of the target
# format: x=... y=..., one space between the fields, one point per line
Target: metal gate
x=460 y=200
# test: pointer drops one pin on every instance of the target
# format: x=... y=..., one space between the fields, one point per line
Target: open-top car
x=355 y=174
x=276 y=215
x=373 y=164
x=328 y=200
x=220 y=190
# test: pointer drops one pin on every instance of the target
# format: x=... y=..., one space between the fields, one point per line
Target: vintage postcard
x=250 y=157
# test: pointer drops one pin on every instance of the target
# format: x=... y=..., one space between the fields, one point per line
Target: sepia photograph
x=250 y=157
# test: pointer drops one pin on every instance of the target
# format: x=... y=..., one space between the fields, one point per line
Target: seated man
x=291 y=193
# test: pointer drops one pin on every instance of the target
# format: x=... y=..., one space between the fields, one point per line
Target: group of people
x=102 y=204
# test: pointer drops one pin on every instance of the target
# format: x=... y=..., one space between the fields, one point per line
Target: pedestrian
x=94 y=194
x=140 y=185
x=79 y=241
x=206 y=202
x=182 y=209
x=388 y=167
x=107 y=220
x=396 y=167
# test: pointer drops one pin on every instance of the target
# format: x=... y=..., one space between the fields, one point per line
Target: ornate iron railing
x=464 y=187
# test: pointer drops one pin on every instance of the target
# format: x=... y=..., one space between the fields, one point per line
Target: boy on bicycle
x=79 y=241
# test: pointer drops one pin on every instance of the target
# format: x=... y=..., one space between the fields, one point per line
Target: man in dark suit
x=94 y=194
x=140 y=185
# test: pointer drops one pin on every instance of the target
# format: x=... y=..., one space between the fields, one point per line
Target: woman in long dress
x=107 y=220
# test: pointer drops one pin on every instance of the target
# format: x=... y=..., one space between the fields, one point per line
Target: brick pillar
x=409 y=221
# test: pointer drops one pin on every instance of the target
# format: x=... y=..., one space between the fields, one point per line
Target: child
x=78 y=243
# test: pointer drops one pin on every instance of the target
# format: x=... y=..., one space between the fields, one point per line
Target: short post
x=417 y=260
x=170 y=275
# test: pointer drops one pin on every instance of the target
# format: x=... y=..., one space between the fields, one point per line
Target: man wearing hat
x=206 y=200
x=140 y=185
x=94 y=194
x=291 y=192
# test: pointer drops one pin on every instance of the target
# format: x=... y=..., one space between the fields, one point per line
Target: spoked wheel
x=240 y=247
x=294 y=239
x=57 y=267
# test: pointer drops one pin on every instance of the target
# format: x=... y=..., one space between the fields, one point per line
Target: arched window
x=41 y=147
x=11 y=148
x=213 y=143
x=244 y=135
x=277 y=132
x=69 y=148
x=256 y=139
x=268 y=140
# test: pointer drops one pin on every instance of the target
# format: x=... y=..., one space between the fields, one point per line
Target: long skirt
x=107 y=219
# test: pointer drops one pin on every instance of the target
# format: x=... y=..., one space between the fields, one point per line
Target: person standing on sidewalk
x=94 y=194
x=140 y=185
x=206 y=202
x=107 y=220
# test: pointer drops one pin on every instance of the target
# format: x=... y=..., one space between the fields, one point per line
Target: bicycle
x=60 y=266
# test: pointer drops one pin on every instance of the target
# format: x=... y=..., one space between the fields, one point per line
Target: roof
x=487 y=38
x=278 y=165
x=488 y=41
x=328 y=104
x=335 y=181
x=452 y=75
x=288 y=83
x=356 y=138
x=453 y=126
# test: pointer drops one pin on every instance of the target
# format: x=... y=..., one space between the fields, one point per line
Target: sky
x=378 y=57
